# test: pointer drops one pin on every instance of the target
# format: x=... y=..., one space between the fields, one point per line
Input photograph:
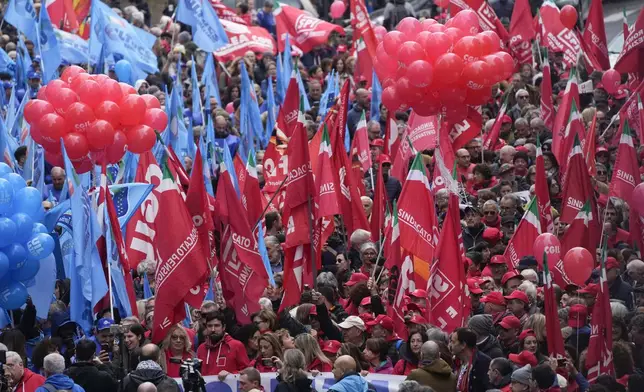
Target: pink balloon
x=337 y=9
x=638 y=199
x=410 y=27
x=436 y=44
x=90 y=93
x=550 y=245
x=578 y=264
x=490 y=40
x=52 y=127
x=468 y=21
x=76 y=145
x=111 y=91
x=568 y=16
x=390 y=99
x=455 y=34
x=392 y=42
x=156 y=119
x=380 y=32
x=151 y=101
x=611 y=81
x=420 y=73
x=35 y=109
x=70 y=72
x=427 y=22
x=508 y=63
x=409 y=52
x=110 y=112
x=141 y=138
x=436 y=28
x=78 y=81
x=477 y=75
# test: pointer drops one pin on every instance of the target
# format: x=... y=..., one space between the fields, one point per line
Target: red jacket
x=228 y=354
x=172 y=369
x=319 y=366
x=403 y=367
x=29 y=382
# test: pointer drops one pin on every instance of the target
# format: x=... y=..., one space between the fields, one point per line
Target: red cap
x=525 y=333
x=506 y=119
x=522 y=149
x=498 y=259
x=511 y=275
x=621 y=93
x=601 y=149
x=600 y=85
x=495 y=298
x=417 y=320
x=487 y=272
x=384 y=158
x=366 y=317
x=384 y=321
x=492 y=235
x=611 y=263
x=413 y=307
x=357 y=277
x=419 y=293
x=366 y=301
x=313 y=312
x=523 y=358
x=517 y=294
x=377 y=143
x=577 y=315
x=362 y=78
x=331 y=347
x=473 y=286
x=590 y=288
x=342 y=49
x=510 y=322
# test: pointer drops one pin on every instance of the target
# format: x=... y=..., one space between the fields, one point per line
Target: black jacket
x=472 y=236
x=491 y=347
x=132 y=381
x=622 y=291
x=88 y=376
x=479 y=381
x=300 y=385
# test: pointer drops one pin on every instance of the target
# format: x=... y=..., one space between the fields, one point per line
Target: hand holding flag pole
x=277 y=191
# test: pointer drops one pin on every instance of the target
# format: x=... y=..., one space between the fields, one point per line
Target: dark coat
x=472 y=236
x=437 y=375
x=88 y=376
x=491 y=347
x=132 y=381
x=622 y=291
x=300 y=385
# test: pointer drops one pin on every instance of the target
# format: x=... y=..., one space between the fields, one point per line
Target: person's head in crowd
x=306 y=314
x=493 y=303
x=265 y=320
x=472 y=217
x=215 y=323
x=269 y=346
x=21 y=155
x=498 y=266
x=482 y=326
x=499 y=372
x=343 y=366
x=635 y=271
x=353 y=329
x=368 y=253
x=463 y=158
x=13 y=368
x=177 y=341
x=375 y=351
x=293 y=366
x=475 y=147
x=521 y=128
x=367 y=204
x=505 y=186
x=311 y=349
x=381 y=327
x=134 y=336
x=33 y=80
x=373 y=130
x=250 y=379
x=104 y=335
x=521 y=380
x=462 y=344
x=509 y=205
x=482 y=174
x=58 y=178
x=528 y=341
x=510 y=281
x=509 y=328
x=53 y=364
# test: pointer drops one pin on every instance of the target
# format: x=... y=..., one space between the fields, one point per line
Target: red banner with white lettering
x=244 y=38
x=306 y=31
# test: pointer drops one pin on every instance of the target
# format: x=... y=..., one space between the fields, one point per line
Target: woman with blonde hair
x=315 y=358
x=292 y=376
x=537 y=323
x=265 y=320
x=269 y=347
x=176 y=345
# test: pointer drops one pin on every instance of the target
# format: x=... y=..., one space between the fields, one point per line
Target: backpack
x=397 y=14
x=51 y=388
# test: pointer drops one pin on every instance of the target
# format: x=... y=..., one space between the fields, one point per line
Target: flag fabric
x=445 y=161
x=553 y=328
x=491 y=138
x=207 y=31
x=243 y=38
x=21 y=14
x=303 y=95
x=360 y=144
x=522 y=241
x=589 y=147
x=467 y=129
x=379 y=205
x=554 y=35
x=73 y=49
x=197 y=108
x=327 y=186
x=571 y=94
x=328 y=95
x=542 y=192
x=376 y=98
x=521 y=32
x=270 y=114
x=625 y=24
x=7 y=156
x=300 y=183
x=574 y=129
x=576 y=185
x=363 y=69
x=288 y=114
x=416 y=213
x=7 y=65
x=251 y=196
x=225 y=13
x=88 y=285
x=595 y=34
x=147 y=290
x=48 y=46
x=264 y=254
x=547 y=106
x=250 y=119
x=584 y=231
x=306 y=30
x=630 y=59
x=448 y=306
x=280 y=80
x=363 y=28
x=209 y=79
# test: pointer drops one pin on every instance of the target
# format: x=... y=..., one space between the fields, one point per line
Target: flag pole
x=373 y=187
x=261 y=216
x=314 y=265
x=373 y=272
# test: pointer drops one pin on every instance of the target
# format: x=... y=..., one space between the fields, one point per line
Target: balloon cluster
x=24 y=242
x=435 y=68
x=97 y=117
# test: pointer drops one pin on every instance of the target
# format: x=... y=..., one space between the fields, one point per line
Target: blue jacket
x=351 y=383
x=61 y=381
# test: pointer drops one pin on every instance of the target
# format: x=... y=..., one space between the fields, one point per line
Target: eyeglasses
x=489 y=212
x=176 y=337
x=524 y=96
x=601 y=173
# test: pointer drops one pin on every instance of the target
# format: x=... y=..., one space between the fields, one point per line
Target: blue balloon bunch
x=24 y=241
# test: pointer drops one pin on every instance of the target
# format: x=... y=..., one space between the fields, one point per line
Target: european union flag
x=48 y=46
x=207 y=31
x=127 y=199
x=22 y=15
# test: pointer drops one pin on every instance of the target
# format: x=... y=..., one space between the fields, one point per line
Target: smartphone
x=267 y=362
x=105 y=347
x=561 y=362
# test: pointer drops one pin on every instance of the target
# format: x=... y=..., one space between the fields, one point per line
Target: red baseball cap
x=506 y=119
x=601 y=149
x=517 y=294
x=342 y=48
x=577 y=315
x=525 y=333
x=495 y=298
x=366 y=301
x=357 y=277
x=377 y=143
x=498 y=259
x=492 y=235
x=384 y=158
x=523 y=358
x=417 y=320
x=331 y=347
x=511 y=275
x=413 y=307
x=419 y=293
x=384 y=321
x=621 y=93
x=611 y=263
x=510 y=322
x=366 y=317
x=313 y=311
x=590 y=288
x=473 y=286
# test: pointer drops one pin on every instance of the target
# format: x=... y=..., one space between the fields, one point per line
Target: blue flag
x=192 y=148
x=73 y=49
x=187 y=321
x=209 y=78
x=328 y=96
x=121 y=40
x=207 y=31
x=261 y=246
x=271 y=114
x=282 y=83
x=287 y=62
x=4 y=152
x=48 y=46
x=228 y=160
x=147 y=290
x=53 y=216
x=43 y=285
x=88 y=285
x=250 y=118
x=206 y=167
x=210 y=295
x=197 y=113
x=34 y=168
x=127 y=199
x=6 y=64
x=22 y=15
x=119 y=290
x=376 y=98
x=176 y=134
x=300 y=85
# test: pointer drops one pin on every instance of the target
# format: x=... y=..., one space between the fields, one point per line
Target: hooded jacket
x=90 y=378
x=407 y=362
x=228 y=354
x=148 y=371
x=351 y=382
x=491 y=347
x=61 y=382
x=436 y=375
x=29 y=382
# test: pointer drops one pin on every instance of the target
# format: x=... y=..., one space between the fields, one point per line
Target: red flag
x=243 y=38
x=448 y=298
x=360 y=144
x=362 y=27
x=401 y=284
x=444 y=163
x=297 y=267
x=422 y=131
x=599 y=358
x=378 y=210
x=391 y=136
x=576 y=185
x=288 y=114
x=589 y=147
x=542 y=192
x=224 y=13
x=521 y=32
x=487 y=17
x=571 y=94
x=363 y=68
x=251 y=195
x=625 y=24
x=491 y=138
x=299 y=183
x=522 y=241
x=632 y=57
x=416 y=213
x=625 y=171
x=201 y=210
x=306 y=31
x=555 y=36
x=464 y=131
x=547 y=106
x=632 y=109
x=327 y=197
x=574 y=130
x=553 y=328
x=595 y=34
x=275 y=167
x=583 y=231
x=392 y=240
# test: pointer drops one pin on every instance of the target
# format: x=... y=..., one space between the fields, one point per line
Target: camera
x=189 y=370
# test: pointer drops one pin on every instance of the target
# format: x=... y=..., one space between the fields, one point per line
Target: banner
x=242 y=39
x=381 y=382
x=306 y=31
x=73 y=48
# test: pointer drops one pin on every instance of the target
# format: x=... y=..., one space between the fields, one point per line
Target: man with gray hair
x=373 y=130
x=635 y=273
x=19 y=378
x=432 y=370
x=54 y=366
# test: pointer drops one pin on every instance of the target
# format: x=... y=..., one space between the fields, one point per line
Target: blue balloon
x=20 y=93
x=6 y=196
x=16 y=254
x=7 y=231
x=39 y=228
x=29 y=201
x=13 y=296
x=15 y=180
x=123 y=70
x=40 y=246
x=4 y=264
x=5 y=169
x=24 y=225
x=28 y=270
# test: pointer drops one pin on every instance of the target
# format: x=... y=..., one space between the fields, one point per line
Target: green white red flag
x=574 y=129
x=362 y=26
x=542 y=192
x=288 y=114
x=553 y=328
x=360 y=144
x=547 y=106
x=571 y=94
x=327 y=195
x=522 y=242
x=576 y=185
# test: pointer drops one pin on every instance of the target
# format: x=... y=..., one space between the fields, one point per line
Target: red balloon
x=477 y=97
x=455 y=34
x=79 y=116
x=100 y=78
x=468 y=48
x=83 y=165
x=52 y=146
x=54 y=159
x=62 y=99
x=638 y=199
x=380 y=32
x=490 y=41
x=409 y=52
x=410 y=27
x=76 y=145
x=156 y=119
x=448 y=69
x=497 y=67
x=52 y=127
x=549 y=244
x=70 y=72
x=111 y=91
x=78 y=81
x=437 y=44
x=90 y=93
x=578 y=264
x=427 y=22
x=477 y=75
x=126 y=89
x=35 y=109
x=436 y=28
x=420 y=73
x=568 y=16
x=100 y=135
x=110 y=112
x=337 y=9
x=611 y=81
x=57 y=84
x=42 y=93
x=386 y=63
x=151 y=101
x=390 y=99
x=117 y=149
x=508 y=63
x=452 y=95
x=132 y=110
x=456 y=113
x=392 y=42
x=141 y=138
x=468 y=21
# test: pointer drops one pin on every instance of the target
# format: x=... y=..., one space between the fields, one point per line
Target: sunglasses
x=601 y=173
x=489 y=212
x=523 y=97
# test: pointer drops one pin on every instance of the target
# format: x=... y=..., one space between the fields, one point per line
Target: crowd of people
x=343 y=324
